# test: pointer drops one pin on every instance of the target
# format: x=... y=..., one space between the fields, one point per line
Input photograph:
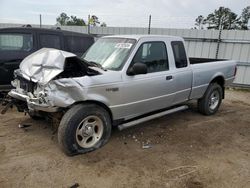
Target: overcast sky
x=165 y=13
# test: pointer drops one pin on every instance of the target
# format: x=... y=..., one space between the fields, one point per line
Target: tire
x=84 y=128
x=211 y=101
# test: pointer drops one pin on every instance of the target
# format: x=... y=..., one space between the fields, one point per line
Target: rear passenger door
x=50 y=40
x=152 y=91
x=183 y=73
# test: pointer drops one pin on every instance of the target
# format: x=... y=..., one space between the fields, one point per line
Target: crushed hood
x=44 y=65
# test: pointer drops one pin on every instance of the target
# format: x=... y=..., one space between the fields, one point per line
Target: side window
x=18 y=41
x=154 y=55
x=50 y=41
x=78 y=44
x=179 y=54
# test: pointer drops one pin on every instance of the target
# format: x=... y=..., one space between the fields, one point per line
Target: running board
x=135 y=122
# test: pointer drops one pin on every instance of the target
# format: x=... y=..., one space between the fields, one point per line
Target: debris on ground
x=75 y=185
x=146 y=146
x=180 y=172
x=194 y=184
x=23 y=126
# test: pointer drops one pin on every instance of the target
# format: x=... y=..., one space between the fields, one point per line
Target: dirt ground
x=187 y=150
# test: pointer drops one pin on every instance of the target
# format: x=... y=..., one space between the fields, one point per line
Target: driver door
x=149 y=92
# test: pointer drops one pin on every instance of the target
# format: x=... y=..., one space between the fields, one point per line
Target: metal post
x=40 y=20
x=149 y=24
x=89 y=24
x=218 y=42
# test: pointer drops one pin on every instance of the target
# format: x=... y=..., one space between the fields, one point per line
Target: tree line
x=64 y=19
x=224 y=18
x=221 y=18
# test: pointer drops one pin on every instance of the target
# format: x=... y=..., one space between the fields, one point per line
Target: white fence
x=200 y=43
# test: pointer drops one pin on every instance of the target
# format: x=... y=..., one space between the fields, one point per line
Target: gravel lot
x=187 y=150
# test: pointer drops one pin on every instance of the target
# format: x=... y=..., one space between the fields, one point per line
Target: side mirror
x=138 y=68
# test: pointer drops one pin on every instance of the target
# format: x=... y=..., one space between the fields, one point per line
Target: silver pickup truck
x=120 y=81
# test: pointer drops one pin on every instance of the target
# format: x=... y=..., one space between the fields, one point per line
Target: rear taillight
x=235 y=70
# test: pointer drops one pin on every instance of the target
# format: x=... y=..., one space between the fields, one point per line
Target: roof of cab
x=138 y=37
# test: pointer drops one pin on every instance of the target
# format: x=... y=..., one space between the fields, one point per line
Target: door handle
x=169 y=77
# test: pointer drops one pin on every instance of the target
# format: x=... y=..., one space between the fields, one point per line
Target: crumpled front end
x=34 y=95
x=50 y=79
x=50 y=98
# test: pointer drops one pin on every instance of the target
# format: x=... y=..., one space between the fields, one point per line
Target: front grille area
x=26 y=85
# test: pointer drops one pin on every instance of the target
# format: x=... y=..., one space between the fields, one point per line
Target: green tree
x=245 y=16
x=64 y=19
x=94 y=20
x=200 y=21
x=103 y=24
x=223 y=18
x=76 y=21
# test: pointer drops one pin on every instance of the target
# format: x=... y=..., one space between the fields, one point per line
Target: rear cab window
x=16 y=42
x=179 y=54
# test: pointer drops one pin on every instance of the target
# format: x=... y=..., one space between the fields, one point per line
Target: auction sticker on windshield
x=123 y=45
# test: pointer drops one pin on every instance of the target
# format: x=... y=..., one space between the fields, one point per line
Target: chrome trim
x=18 y=96
x=231 y=78
x=203 y=85
x=34 y=106
x=135 y=122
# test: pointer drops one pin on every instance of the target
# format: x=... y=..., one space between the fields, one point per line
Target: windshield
x=110 y=53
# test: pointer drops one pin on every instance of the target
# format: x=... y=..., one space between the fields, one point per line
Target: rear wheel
x=84 y=128
x=210 y=102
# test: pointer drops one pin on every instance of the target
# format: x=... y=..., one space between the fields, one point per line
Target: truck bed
x=195 y=60
x=205 y=70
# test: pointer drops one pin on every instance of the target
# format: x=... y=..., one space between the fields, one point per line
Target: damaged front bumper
x=32 y=105
x=51 y=80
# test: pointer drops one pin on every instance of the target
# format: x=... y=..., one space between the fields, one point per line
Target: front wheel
x=210 y=102
x=84 y=128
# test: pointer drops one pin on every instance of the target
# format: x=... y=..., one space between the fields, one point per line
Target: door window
x=154 y=55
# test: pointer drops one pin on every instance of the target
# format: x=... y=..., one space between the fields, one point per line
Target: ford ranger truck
x=120 y=81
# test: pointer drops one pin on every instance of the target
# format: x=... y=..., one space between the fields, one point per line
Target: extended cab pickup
x=120 y=81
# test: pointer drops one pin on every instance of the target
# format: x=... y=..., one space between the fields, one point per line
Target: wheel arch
x=219 y=79
x=98 y=103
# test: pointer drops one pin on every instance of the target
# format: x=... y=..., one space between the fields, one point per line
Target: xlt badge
x=114 y=89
